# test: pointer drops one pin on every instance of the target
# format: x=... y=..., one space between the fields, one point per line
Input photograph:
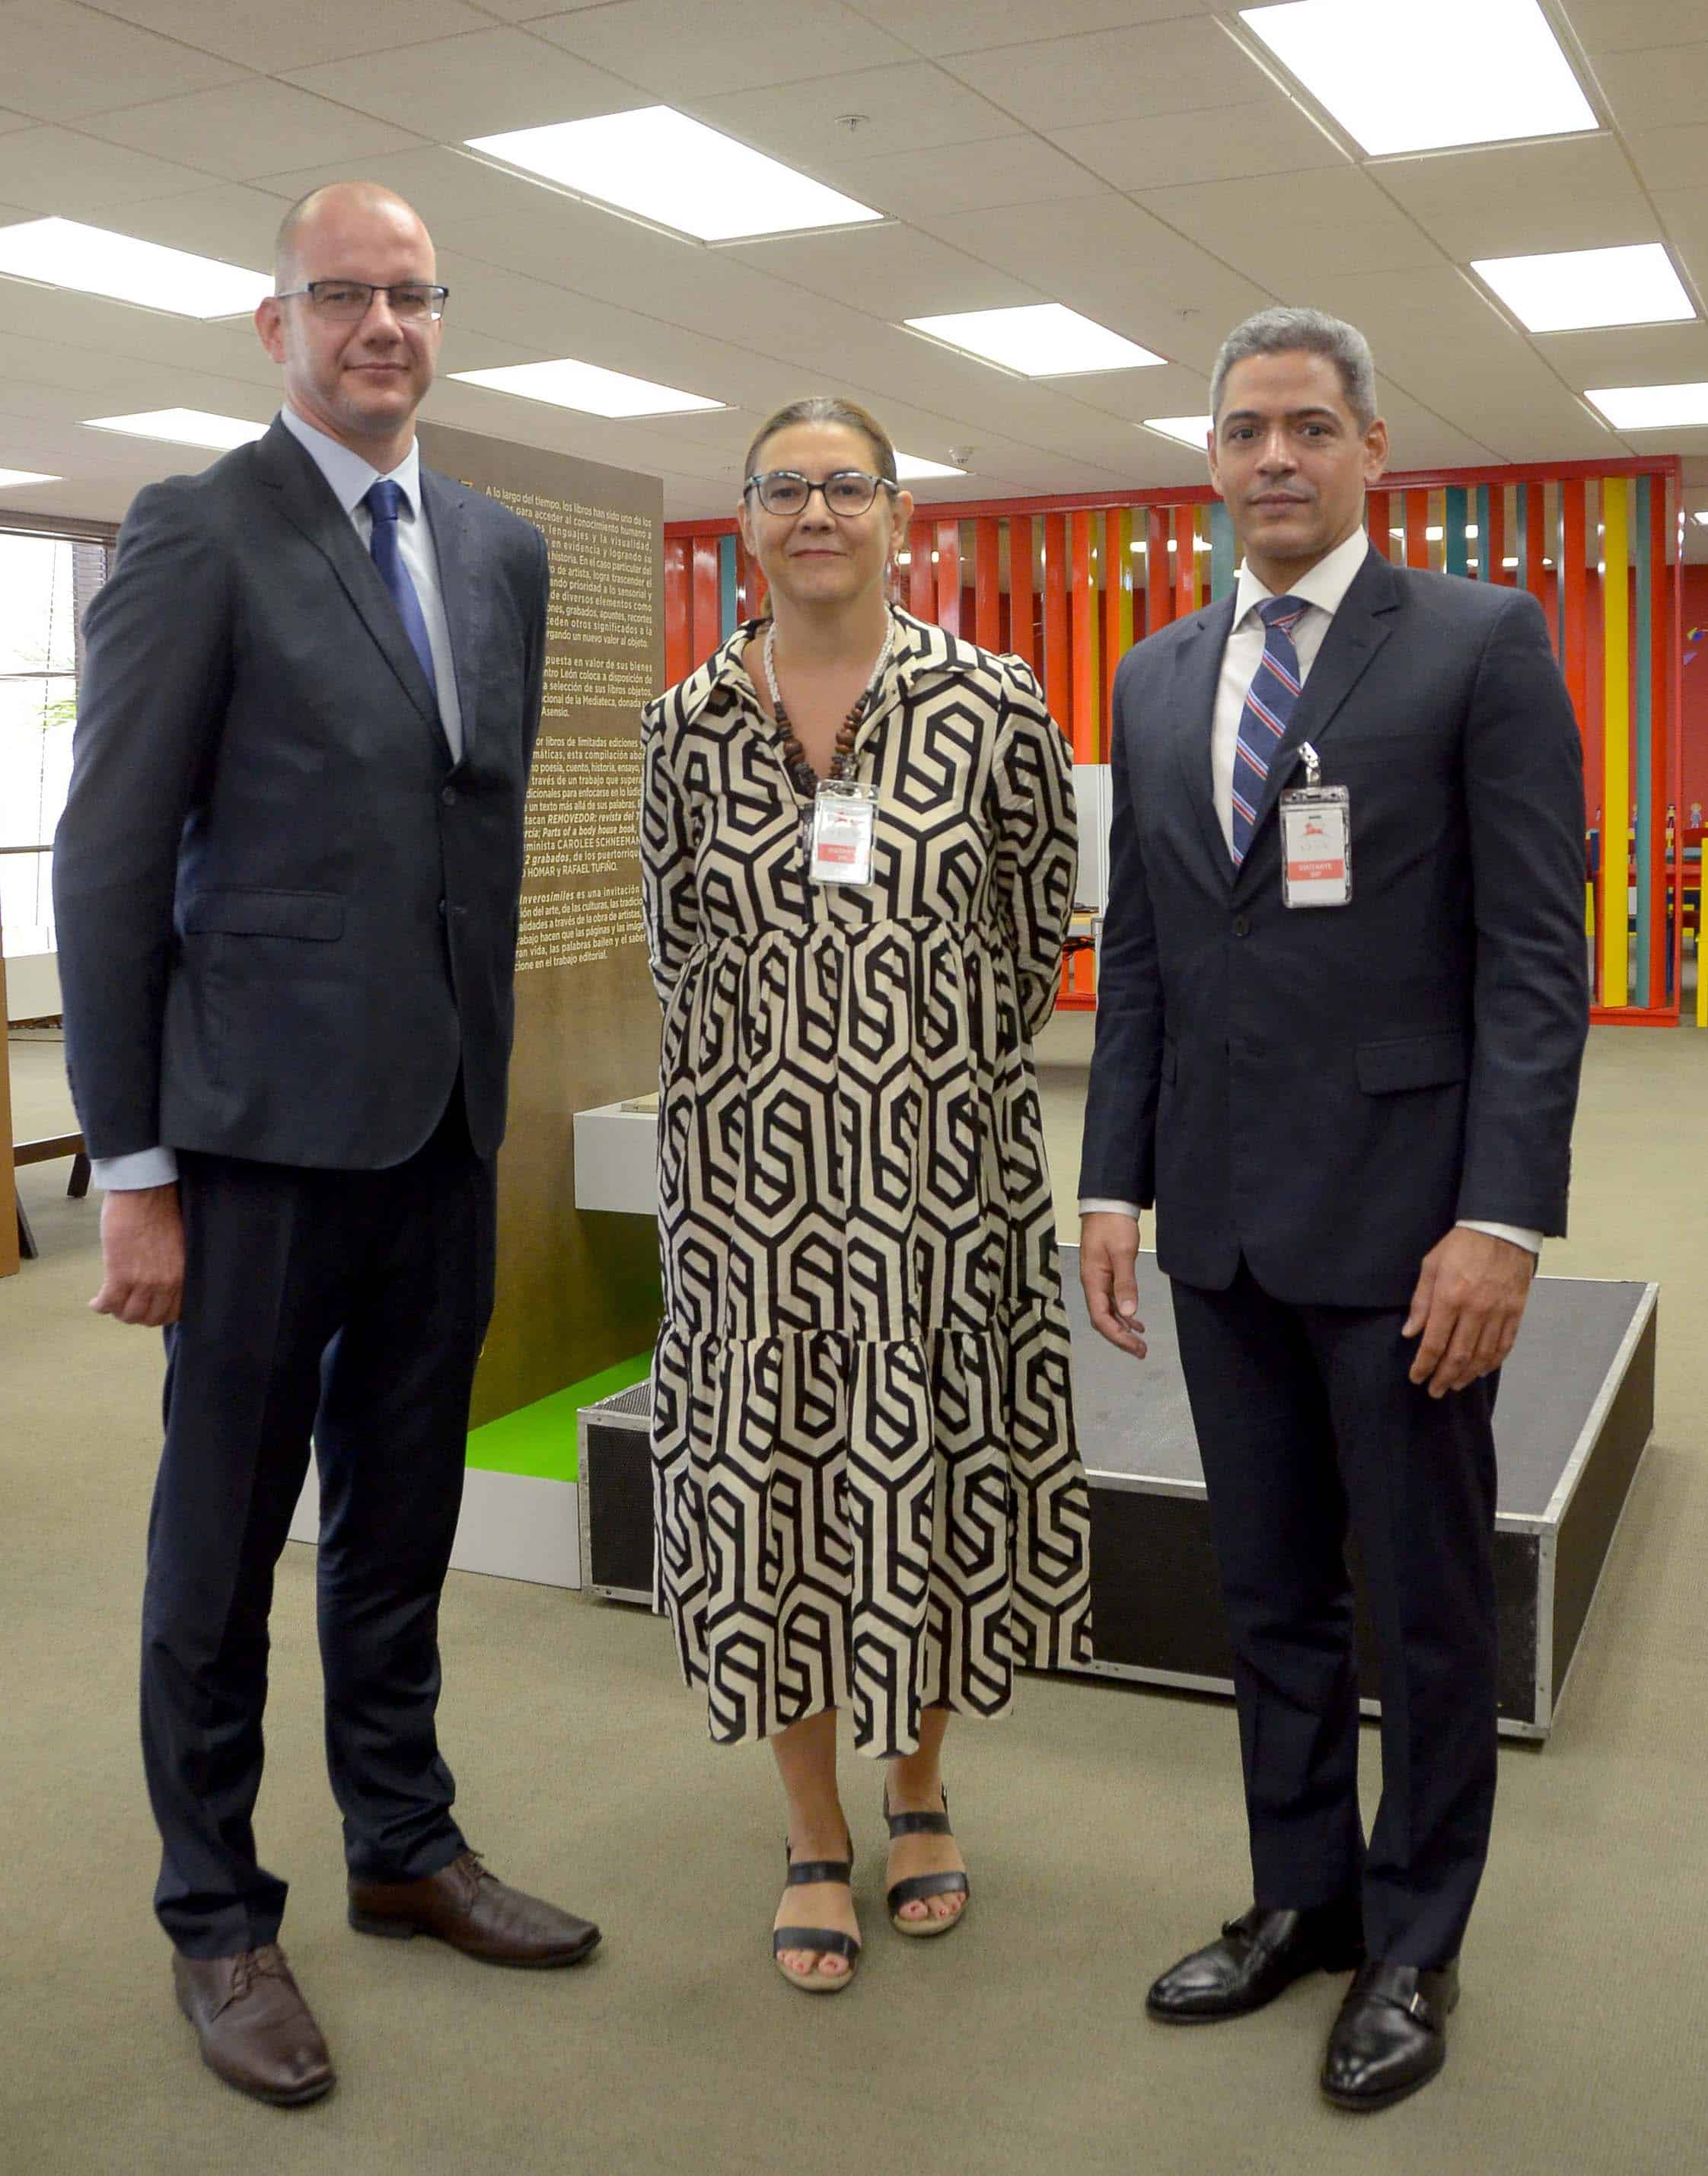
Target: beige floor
x=1103 y=1824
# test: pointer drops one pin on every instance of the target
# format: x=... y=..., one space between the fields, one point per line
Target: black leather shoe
x=1259 y=1956
x=1391 y=2037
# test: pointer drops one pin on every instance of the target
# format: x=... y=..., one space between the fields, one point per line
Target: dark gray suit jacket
x=286 y=919
x=1326 y=1091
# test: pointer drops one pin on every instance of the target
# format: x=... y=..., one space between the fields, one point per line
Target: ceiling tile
x=63 y=61
x=1684 y=213
x=446 y=186
x=1659 y=88
x=234 y=223
x=252 y=128
x=909 y=108
x=1268 y=136
x=1006 y=170
x=895 y=272
x=1631 y=354
x=1614 y=26
x=8 y=122
x=56 y=171
x=1520 y=199
x=272 y=39
x=1176 y=67
x=453 y=87
x=1672 y=158
x=1287 y=232
x=959 y=26
x=683 y=48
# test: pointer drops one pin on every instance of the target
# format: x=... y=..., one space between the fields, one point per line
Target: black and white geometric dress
x=867 y=1491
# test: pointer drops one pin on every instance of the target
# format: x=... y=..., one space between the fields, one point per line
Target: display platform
x=1576 y=1411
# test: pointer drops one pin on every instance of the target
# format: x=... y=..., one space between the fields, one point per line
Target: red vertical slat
x=708 y=605
x=1376 y=521
x=1660 y=740
x=987 y=583
x=948 y=572
x=921 y=588
x=1535 y=515
x=1082 y=598
x=1117 y=573
x=1159 y=591
x=1057 y=683
x=1185 y=561
x=678 y=645
x=1416 y=526
x=1492 y=546
x=1572 y=576
x=1022 y=591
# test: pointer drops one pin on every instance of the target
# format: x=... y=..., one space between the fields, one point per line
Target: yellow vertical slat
x=1616 y=741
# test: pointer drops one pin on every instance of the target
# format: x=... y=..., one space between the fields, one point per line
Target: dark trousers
x=348 y=1307
x=1308 y=1425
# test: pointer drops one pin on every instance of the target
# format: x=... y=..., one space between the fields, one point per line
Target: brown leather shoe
x=255 y=2028
x=471 y=1909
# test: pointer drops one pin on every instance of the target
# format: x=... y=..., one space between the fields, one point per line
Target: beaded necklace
x=802 y=774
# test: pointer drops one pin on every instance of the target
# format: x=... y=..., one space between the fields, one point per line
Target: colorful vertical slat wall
x=1069 y=584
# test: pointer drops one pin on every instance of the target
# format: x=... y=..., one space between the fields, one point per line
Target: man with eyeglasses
x=287 y=881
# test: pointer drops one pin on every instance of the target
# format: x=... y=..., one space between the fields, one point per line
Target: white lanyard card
x=1316 y=822
x=844 y=819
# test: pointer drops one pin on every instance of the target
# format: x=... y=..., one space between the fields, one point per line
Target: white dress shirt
x=351 y=479
x=1321 y=591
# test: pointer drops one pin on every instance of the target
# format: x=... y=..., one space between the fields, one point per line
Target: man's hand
x=1108 y=1249
x=142 y=1257
x=1470 y=1300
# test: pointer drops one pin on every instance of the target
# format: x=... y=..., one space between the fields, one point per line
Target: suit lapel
x=308 y=503
x=1356 y=632
x=1197 y=671
x=446 y=505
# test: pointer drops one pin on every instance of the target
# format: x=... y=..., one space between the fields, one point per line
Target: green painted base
x=541 y=1440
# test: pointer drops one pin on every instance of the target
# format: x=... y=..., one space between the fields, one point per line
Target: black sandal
x=828 y=1941
x=918 y=1886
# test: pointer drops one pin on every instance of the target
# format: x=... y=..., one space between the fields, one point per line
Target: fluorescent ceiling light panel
x=183 y=427
x=1700 y=518
x=914 y=468
x=659 y=165
x=1192 y=431
x=1039 y=340
x=1398 y=77
x=16 y=479
x=62 y=252
x=585 y=386
x=1652 y=407
x=1569 y=290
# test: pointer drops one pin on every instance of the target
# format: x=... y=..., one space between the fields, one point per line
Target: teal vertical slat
x=726 y=586
x=1485 y=570
x=1643 y=779
x=1222 y=552
x=1454 y=551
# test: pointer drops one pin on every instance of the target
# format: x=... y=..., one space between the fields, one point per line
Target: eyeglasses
x=846 y=492
x=348 y=301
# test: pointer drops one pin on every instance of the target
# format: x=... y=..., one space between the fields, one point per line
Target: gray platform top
x=1134 y=1424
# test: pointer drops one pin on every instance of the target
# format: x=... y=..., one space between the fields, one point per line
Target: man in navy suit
x=287 y=880
x=1342 y=1000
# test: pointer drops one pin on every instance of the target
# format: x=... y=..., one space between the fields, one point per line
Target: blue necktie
x=1274 y=696
x=384 y=501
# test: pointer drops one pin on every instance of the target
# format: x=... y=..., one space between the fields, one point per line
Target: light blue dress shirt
x=351 y=479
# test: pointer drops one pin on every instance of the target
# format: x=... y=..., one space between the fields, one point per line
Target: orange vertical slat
x=678 y=647
x=1416 y=526
x=1118 y=579
x=948 y=572
x=705 y=583
x=1572 y=577
x=1159 y=590
x=1661 y=770
x=1057 y=684
x=1376 y=522
x=922 y=588
x=1185 y=561
x=1083 y=603
x=987 y=583
x=1022 y=589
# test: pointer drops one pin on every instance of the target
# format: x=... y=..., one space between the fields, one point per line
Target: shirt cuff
x=1530 y=1241
x=1091 y=1207
x=130 y=1174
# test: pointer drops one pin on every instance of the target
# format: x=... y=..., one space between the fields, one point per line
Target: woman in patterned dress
x=868 y=1494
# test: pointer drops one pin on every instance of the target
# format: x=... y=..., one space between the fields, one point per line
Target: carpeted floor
x=1103 y=1824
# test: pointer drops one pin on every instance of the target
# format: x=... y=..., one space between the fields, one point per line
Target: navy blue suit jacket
x=1326 y=1091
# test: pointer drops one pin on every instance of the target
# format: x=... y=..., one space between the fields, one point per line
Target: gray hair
x=1283 y=331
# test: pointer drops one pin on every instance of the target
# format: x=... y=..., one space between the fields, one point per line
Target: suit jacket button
x=1242 y=926
x=449 y=797
x=442 y=909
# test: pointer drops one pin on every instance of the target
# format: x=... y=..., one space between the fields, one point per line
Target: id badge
x=1316 y=846
x=839 y=844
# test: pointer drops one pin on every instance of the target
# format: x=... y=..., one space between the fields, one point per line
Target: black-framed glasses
x=847 y=491
x=348 y=301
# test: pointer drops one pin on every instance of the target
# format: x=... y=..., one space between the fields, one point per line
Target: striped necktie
x=384 y=501
x=1269 y=704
